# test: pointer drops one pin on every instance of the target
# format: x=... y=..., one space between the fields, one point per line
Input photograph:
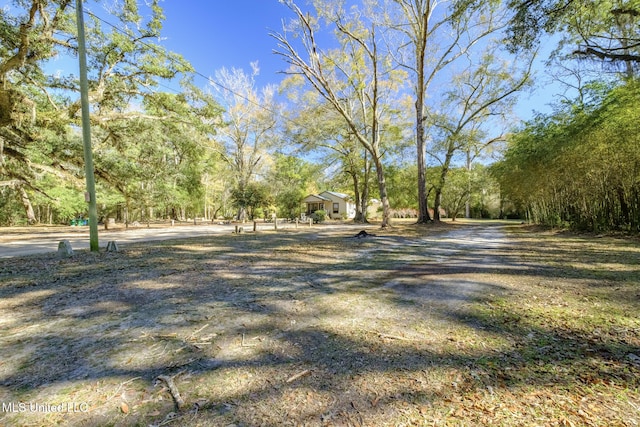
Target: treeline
x=218 y=151
x=580 y=166
x=402 y=108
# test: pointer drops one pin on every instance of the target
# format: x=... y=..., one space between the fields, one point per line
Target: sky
x=212 y=34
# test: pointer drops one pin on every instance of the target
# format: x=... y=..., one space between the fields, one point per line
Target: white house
x=336 y=205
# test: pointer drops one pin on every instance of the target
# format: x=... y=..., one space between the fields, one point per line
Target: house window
x=336 y=208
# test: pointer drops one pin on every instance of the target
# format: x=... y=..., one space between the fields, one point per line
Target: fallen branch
x=393 y=337
x=244 y=344
x=171 y=417
x=177 y=399
x=120 y=386
x=193 y=335
x=298 y=375
x=362 y=234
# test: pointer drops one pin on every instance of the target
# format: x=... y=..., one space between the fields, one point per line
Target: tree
x=483 y=193
x=250 y=120
x=253 y=197
x=127 y=65
x=401 y=178
x=187 y=149
x=358 y=71
x=318 y=127
x=28 y=38
x=605 y=30
x=479 y=96
x=289 y=182
x=455 y=192
x=435 y=38
x=579 y=165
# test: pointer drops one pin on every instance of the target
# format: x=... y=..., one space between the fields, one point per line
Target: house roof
x=315 y=198
x=325 y=196
x=338 y=195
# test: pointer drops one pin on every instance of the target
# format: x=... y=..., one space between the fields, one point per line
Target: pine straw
x=466 y=325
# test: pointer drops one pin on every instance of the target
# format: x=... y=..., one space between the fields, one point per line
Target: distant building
x=336 y=205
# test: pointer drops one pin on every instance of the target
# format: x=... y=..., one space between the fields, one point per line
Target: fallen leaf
x=124 y=408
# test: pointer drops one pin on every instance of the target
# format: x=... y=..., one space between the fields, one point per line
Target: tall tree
x=478 y=100
x=318 y=127
x=359 y=71
x=250 y=121
x=436 y=35
x=126 y=63
x=27 y=39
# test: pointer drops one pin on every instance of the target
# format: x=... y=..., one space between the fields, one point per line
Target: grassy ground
x=465 y=325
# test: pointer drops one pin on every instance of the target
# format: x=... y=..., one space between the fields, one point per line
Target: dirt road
x=21 y=241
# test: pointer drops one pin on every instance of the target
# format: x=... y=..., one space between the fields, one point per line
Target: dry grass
x=451 y=325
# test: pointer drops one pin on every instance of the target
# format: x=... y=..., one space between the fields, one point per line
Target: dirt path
x=454 y=264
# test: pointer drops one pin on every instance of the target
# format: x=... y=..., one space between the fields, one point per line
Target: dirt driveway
x=455 y=325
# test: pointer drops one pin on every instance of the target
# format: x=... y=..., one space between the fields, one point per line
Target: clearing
x=470 y=324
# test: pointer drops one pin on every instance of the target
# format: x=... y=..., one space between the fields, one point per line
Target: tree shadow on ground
x=290 y=327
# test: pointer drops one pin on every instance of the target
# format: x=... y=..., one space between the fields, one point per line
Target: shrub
x=319 y=216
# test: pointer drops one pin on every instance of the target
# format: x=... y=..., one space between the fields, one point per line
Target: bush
x=11 y=211
x=319 y=216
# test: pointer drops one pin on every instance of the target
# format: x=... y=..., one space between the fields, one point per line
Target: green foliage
x=401 y=182
x=455 y=193
x=253 y=197
x=484 y=196
x=607 y=30
x=319 y=216
x=68 y=203
x=10 y=208
x=289 y=203
x=140 y=153
x=290 y=180
x=579 y=166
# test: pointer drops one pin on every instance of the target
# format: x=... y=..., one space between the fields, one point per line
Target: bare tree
x=436 y=34
x=359 y=71
x=319 y=127
x=250 y=119
x=479 y=96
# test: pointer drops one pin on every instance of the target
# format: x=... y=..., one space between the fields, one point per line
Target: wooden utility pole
x=86 y=132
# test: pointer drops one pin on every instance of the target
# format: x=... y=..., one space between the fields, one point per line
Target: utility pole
x=90 y=195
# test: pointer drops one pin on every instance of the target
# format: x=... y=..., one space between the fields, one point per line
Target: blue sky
x=212 y=34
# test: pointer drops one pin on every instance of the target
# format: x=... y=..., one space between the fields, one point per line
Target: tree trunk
x=26 y=202
x=215 y=213
x=359 y=217
x=423 y=206
x=443 y=179
x=420 y=47
x=625 y=211
x=365 y=200
x=382 y=188
x=242 y=214
x=467 y=203
x=127 y=203
x=436 y=204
